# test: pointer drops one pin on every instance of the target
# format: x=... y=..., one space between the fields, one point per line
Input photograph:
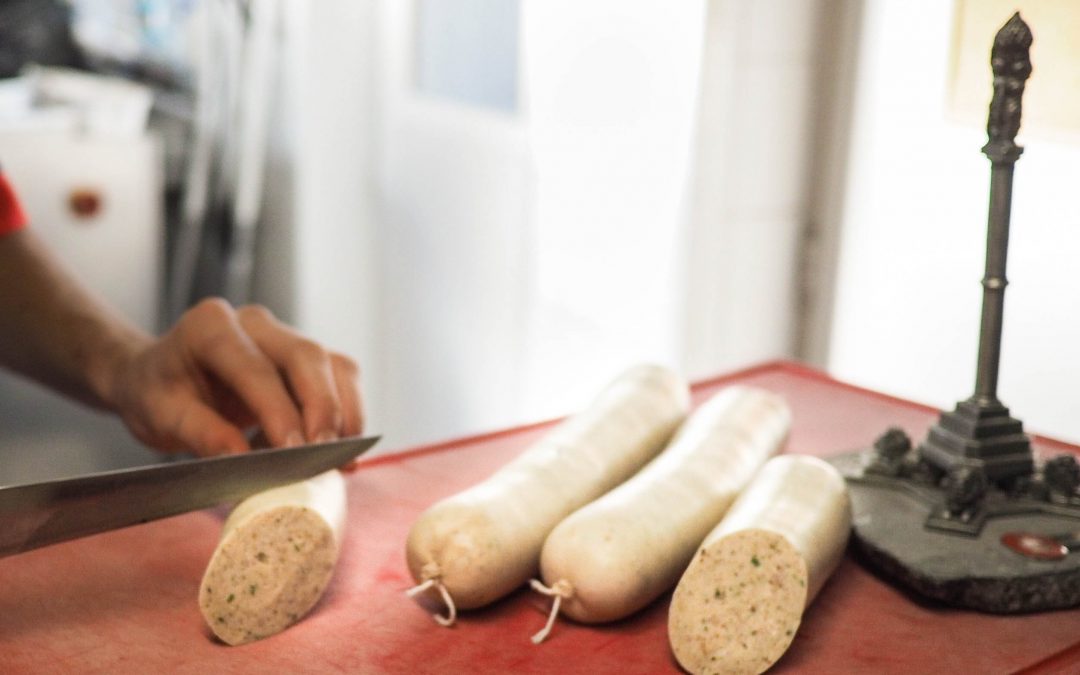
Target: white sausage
x=276 y=556
x=619 y=553
x=481 y=544
x=739 y=603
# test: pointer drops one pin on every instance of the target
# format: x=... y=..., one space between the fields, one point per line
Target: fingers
x=217 y=342
x=185 y=424
x=295 y=388
x=324 y=384
x=347 y=380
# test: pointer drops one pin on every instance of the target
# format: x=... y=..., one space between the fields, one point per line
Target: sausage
x=479 y=545
x=275 y=558
x=738 y=605
x=616 y=555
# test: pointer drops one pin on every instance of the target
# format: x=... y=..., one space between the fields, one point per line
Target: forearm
x=216 y=373
x=54 y=330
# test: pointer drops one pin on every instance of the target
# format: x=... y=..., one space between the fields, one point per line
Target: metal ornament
x=980 y=433
x=967 y=517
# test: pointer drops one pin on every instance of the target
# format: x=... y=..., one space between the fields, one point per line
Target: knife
x=40 y=514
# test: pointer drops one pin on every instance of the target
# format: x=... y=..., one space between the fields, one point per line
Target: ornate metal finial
x=1011 y=64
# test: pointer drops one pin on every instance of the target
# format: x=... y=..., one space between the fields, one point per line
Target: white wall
x=317 y=263
x=749 y=196
x=914 y=229
x=493 y=267
x=454 y=194
x=612 y=99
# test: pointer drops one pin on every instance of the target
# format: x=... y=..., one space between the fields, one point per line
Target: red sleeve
x=12 y=217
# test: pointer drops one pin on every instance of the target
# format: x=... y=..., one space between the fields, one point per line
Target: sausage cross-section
x=737 y=607
x=275 y=558
x=617 y=554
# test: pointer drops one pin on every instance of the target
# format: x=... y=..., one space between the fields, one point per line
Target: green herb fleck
x=755 y=561
x=252 y=588
x=230 y=598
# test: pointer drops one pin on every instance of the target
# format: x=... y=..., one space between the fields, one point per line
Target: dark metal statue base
x=980 y=432
x=976 y=571
x=967 y=518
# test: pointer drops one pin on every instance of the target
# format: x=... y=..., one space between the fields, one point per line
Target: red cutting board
x=125 y=601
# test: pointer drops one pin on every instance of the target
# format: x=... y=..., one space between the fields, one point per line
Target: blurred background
x=498 y=205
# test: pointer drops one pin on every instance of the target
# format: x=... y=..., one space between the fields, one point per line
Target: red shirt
x=12 y=217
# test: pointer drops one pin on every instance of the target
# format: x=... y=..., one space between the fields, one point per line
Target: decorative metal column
x=979 y=433
x=967 y=518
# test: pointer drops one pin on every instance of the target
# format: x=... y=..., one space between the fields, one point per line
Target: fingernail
x=294 y=439
x=326 y=436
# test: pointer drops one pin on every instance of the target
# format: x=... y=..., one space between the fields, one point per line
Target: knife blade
x=50 y=512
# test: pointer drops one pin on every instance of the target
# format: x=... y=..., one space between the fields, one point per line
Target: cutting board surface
x=125 y=601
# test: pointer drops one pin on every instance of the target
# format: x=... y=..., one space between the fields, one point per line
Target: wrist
x=108 y=364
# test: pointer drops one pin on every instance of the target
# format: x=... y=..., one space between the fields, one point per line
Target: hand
x=220 y=370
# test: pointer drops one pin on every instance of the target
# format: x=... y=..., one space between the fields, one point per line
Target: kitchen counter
x=125 y=601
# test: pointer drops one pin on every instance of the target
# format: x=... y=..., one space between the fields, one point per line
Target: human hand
x=221 y=370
